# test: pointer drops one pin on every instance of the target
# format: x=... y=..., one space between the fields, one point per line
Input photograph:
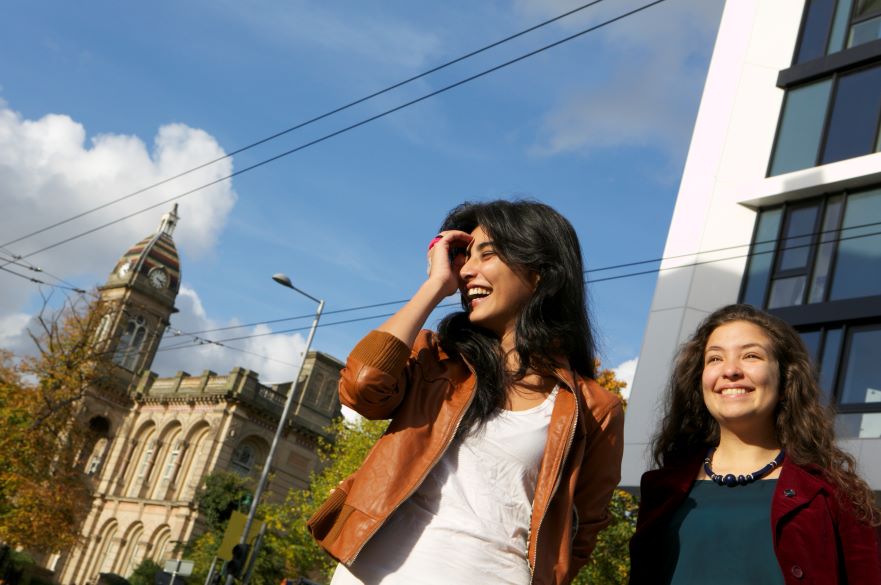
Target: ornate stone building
x=157 y=438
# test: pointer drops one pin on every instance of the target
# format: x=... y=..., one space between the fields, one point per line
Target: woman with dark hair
x=750 y=486
x=502 y=453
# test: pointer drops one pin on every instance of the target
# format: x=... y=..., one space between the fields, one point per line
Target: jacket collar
x=796 y=487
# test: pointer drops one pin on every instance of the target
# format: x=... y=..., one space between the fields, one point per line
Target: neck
x=747 y=448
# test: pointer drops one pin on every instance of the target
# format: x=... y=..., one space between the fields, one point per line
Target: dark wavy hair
x=530 y=237
x=804 y=427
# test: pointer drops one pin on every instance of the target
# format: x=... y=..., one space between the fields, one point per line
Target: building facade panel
x=789 y=199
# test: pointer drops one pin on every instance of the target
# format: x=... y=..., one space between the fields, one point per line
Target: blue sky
x=99 y=99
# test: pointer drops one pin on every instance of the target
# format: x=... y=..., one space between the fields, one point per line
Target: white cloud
x=273 y=357
x=12 y=328
x=625 y=372
x=657 y=59
x=50 y=170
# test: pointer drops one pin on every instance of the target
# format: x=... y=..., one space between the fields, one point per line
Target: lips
x=475 y=294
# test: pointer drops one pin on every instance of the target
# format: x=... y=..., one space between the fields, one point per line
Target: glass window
x=829 y=363
x=812 y=342
x=858 y=426
x=129 y=347
x=858 y=261
x=865 y=32
x=801 y=127
x=796 y=248
x=839 y=26
x=862 y=377
x=854 y=119
x=815 y=30
x=866 y=8
x=761 y=257
x=787 y=292
x=828 y=240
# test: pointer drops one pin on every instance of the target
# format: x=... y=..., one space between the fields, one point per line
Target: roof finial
x=169 y=221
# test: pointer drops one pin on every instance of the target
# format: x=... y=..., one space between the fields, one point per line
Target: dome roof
x=155 y=253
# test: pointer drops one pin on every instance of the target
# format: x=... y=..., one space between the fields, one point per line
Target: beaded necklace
x=731 y=480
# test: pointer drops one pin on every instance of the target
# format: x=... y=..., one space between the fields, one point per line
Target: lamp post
x=283 y=280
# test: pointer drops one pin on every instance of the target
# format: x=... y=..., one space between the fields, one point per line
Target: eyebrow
x=480 y=246
x=744 y=346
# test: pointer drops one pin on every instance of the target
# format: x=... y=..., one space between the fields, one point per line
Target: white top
x=469 y=520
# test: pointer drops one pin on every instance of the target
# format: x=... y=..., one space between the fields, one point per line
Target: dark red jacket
x=817 y=539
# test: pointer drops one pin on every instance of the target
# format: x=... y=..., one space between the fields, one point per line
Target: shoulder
x=601 y=403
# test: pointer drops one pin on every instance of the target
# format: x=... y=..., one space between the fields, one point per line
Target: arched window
x=159 y=545
x=96 y=445
x=97 y=457
x=172 y=462
x=191 y=468
x=101 y=561
x=130 y=343
x=243 y=458
x=103 y=328
x=126 y=561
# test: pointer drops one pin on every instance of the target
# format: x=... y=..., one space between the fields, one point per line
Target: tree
x=44 y=493
x=609 y=563
x=145 y=573
x=221 y=494
x=287 y=521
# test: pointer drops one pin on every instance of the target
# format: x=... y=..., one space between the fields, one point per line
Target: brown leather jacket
x=425 y=393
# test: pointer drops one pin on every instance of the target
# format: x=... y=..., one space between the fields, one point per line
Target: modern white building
x=780 y=207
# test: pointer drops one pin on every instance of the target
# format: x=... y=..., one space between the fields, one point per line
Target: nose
x=732 y=370
x=467 y=271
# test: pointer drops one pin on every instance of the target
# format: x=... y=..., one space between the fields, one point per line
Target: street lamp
x=283 y=280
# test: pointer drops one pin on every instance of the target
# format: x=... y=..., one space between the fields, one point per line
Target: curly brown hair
x=803 y=425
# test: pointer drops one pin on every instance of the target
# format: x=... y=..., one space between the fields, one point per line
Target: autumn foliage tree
x=44 y=493
x=290 y=537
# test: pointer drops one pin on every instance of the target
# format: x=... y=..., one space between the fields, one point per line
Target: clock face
x=124 y=269
x=158 y=278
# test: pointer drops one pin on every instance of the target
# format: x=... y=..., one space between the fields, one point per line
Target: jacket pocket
x=322 y=521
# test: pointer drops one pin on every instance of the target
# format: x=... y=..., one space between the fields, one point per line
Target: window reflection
x=814 y=31
x=862 y=378
x=854 y=119
x=858 y=425
x=761 y=257
x=801 y=127
x=829 y=365
x=858 y=261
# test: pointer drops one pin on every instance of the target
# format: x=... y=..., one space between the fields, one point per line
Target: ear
x=534 y=278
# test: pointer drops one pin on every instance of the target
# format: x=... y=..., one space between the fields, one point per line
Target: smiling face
x=495 y=293
x=741 y=377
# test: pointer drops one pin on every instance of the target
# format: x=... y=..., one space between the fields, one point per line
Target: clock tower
x=139 y=298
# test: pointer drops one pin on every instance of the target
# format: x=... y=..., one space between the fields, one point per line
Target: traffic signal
x=237 y=564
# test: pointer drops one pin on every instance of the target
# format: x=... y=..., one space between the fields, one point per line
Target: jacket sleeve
x=600 y=475
x=860 y=553
x=374 y=381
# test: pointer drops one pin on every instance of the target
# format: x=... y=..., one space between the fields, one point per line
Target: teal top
x=722 y=535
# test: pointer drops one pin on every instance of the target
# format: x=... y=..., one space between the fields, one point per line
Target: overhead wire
x=308 y=122
x=757 y=243
x=351 y=126
x=589 y=281
x=41 y=282
x=13 y=260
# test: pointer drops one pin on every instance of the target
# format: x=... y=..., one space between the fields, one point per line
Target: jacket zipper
x=531 y=562
x=425 y=474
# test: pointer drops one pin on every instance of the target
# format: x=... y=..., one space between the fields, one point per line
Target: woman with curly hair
x=750 y=486
x=502 y=453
